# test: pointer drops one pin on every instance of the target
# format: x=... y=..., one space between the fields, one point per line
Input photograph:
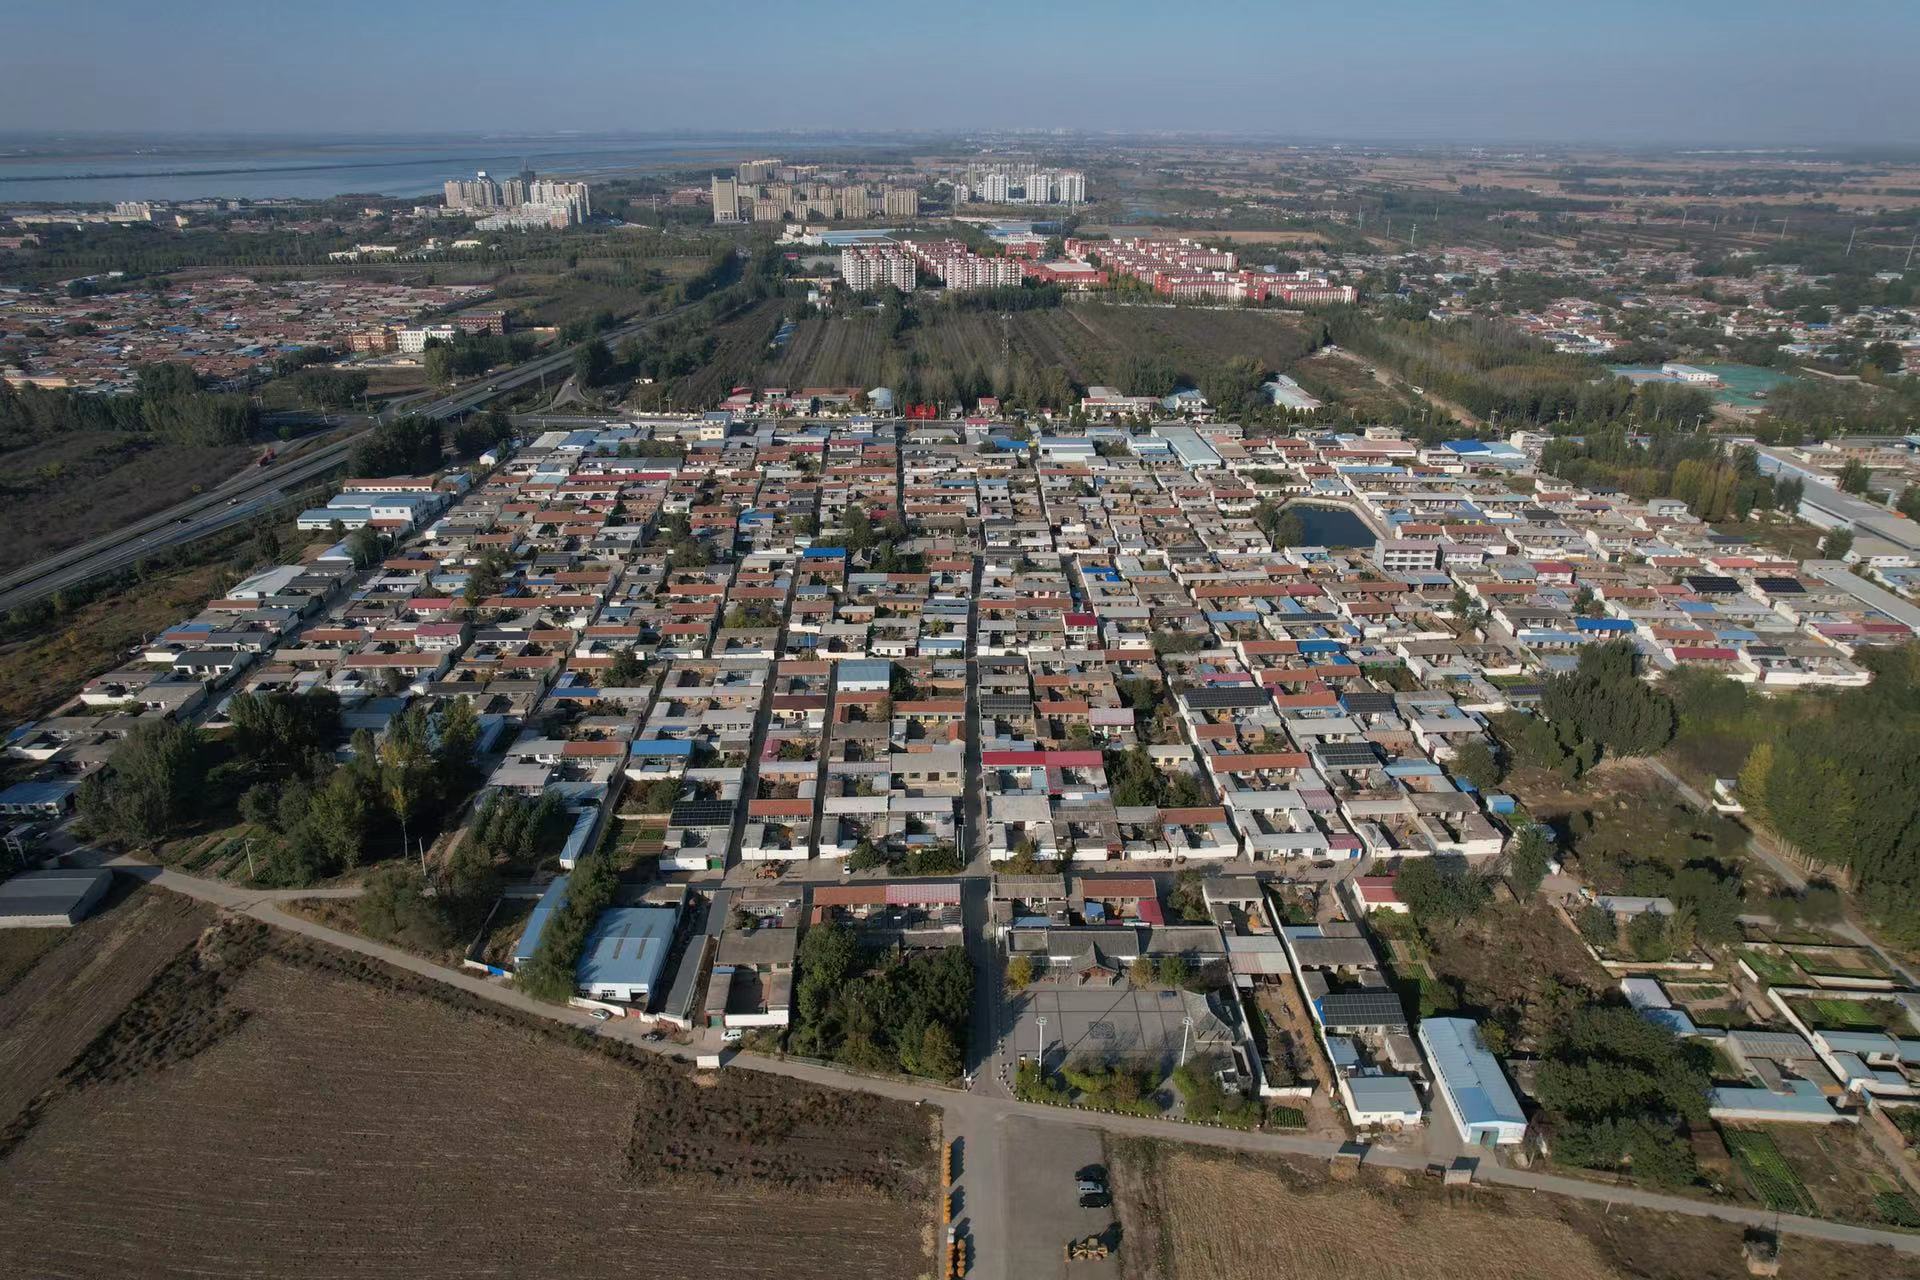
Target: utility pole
x=1850 y=235
x=1910 y=244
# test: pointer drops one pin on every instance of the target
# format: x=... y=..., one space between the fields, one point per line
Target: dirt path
x=1386 y=379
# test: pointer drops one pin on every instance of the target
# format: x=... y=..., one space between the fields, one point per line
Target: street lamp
x=1186 y=1029
x=1040 y=1055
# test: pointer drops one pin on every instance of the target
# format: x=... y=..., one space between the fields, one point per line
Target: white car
x=732 y=1035
x=600 y=1015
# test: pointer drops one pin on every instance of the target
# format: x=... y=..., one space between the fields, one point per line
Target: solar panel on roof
x=703 y=813
x=1713 y=584
x=1346 y=755
x=1362 y=1009
x=1781 y=586
x=1367 y=702
x=1001 y=704
x=1216 y=699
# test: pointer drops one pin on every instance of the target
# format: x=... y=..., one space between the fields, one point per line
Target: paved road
x=233 y=501
x=256 y=488
x=977 y=1116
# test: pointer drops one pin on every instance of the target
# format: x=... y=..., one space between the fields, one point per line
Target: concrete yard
x=1042 y=1161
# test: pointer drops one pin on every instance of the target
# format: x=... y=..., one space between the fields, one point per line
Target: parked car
x=600 y=1015
x=731 y=1035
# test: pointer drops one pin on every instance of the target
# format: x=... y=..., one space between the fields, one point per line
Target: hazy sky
x=1655 y=71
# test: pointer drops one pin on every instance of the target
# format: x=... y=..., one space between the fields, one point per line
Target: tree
x=1821 y=903
x=1648 y=938
x=939 y=1056
x=1475 y=761
x=394 y=907
x=1836 y=544
x=1605 y=703
x=406 y=767
x=592 y=363
x=1598 y=926
x=1855 y=476
x=1441 y=890
x=487 y=578
x=1019 y=973
x=284 y=729
x=1529 y=856
x=626 y=670
x=866 y=856
x=365 y=546
x=152 y=786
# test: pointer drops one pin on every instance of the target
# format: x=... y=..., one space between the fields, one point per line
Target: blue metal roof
x=550 y=901
x=1602 y=624
x=1469 y=1073
x=628 y=947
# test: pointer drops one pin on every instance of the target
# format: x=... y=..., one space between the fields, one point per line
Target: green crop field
x=1768 y=1173
x=1769 y=967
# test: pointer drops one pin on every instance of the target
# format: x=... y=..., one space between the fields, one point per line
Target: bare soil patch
x=1190 y=1214
x=274 y=1107
x=75 y=988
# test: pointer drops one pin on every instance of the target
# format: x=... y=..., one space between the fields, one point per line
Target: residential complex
x=870 y=268
x=1006 y=182
x=798 y=197
x=523 y=200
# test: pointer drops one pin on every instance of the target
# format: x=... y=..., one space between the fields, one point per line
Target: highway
x=259 y=489
x=232 y=502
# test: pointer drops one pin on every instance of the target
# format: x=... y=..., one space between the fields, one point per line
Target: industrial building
x=1467 y=1078
x=52 y=899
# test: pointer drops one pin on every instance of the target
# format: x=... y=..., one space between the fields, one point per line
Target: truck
x=266 y=459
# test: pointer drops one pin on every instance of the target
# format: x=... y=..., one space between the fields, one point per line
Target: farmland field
x=72 y=983
x=739 y=355
x=1188 y=1214
x=1767 y=1172
x=272 y=1107
x=1092 y=342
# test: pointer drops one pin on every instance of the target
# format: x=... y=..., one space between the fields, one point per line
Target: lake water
x=81 y=171
x=1333 y=526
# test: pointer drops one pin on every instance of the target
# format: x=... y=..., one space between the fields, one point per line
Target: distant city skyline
x=1758 y=73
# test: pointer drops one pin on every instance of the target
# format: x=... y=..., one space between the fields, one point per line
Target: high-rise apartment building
x=524 y=200
x=726 y=199
x=872 y=267
x=900 y=202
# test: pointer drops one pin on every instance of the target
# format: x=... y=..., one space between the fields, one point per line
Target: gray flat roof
x=45 y=893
